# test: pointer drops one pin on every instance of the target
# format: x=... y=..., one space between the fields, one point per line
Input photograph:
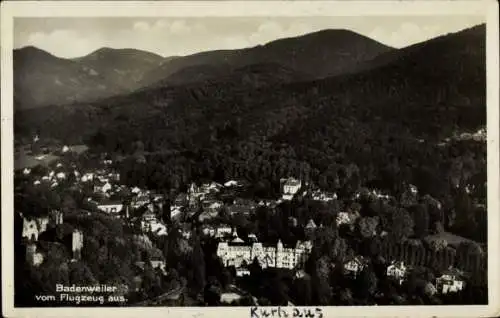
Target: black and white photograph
x=283 y=164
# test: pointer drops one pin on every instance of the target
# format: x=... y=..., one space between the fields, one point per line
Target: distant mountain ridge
x=108 y=72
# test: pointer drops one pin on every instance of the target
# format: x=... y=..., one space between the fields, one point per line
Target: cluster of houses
x=450 y=281
x=206 y=198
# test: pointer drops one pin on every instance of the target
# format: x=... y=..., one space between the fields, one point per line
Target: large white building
x=239 y=254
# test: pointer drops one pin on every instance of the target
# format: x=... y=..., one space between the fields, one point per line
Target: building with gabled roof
x=397 y=270
x=451 y=281
x=110 y=206
x=290 y=187
x=355 y=265
x=33 y=227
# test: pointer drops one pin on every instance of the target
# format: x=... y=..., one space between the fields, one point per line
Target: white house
x=103 y=187
x=242 y=271
x=345 y=218
x=33 y=257
x=208 y=230
x=397 y=270
x=26 y=171
x=413 y=189
x=135 y=190
x=451 y=281
x=228 y=298
x=354 y=266
x=158 y=228
x=379 y=195
x=212 y=206
x=231 y=183
x=149 y=216
x=140 y=200
x=65 y=148
x=175 y=211
x=319 y=195
x=207 y=215
x=290 y=187
x=32 y=228
x=150 y=223
x=110 y=207
x=89 y=176
x=223 y=231
x=311 y=225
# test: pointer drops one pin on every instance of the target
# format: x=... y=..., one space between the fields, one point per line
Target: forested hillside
x=388 y=120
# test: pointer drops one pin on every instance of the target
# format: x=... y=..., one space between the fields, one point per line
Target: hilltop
x=319 y=54
x=42 y=79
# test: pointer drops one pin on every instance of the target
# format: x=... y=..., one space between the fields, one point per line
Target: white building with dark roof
x=319 y=195
x=110 y=206
x=355 y=265
x=290 y=187
x=32 y=228
x=397 y=270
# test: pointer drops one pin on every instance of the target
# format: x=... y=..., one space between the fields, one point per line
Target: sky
x=75 y=37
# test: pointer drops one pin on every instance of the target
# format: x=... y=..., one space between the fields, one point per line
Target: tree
x=401 y=225
x=68 y=204
x=339 y=249
x=212 y=292
x=278 y=291
x=197 y=262
x=438 y=244
x=367 y=226
x=166 y=213
x=420 y=218
x=303 y=291
x=366 y=282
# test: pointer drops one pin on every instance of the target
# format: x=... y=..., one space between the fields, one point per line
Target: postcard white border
x=489 y=9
